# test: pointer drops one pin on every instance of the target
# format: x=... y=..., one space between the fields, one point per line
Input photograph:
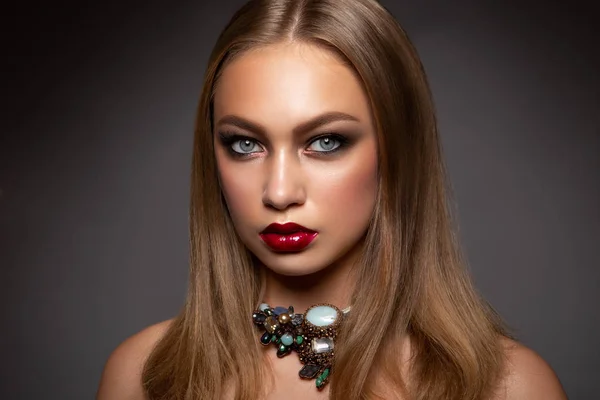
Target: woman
x=317 y=182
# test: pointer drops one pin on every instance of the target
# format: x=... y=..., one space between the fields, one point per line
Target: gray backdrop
x=95 y=150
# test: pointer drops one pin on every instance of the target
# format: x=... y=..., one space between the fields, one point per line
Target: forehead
x=282 y=85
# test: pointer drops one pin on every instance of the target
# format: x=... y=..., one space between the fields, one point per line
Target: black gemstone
x=259 y=318
x=309 y=371
x=283 y=353
x=265 y=338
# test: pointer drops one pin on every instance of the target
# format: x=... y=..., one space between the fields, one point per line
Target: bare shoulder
x=528 y=376
x=121 y=378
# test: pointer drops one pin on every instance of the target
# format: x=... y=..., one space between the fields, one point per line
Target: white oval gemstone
x=321 y=315
x=322 y=345
x=263 y=306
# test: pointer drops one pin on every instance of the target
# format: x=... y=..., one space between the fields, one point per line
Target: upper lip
x=288 y=227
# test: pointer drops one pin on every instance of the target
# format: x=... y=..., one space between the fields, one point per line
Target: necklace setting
x=312 y=335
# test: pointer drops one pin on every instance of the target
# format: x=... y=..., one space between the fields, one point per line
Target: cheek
x=349 y=197
x=238 y=187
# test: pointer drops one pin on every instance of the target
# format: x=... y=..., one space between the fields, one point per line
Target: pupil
x=327 y=142
x=247 y=145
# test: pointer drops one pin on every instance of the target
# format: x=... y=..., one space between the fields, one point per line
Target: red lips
x=289 y=237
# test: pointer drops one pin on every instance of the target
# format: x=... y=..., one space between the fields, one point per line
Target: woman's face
x=294 y=142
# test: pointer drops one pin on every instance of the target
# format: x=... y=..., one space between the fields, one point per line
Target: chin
x=292 y=264
x=286 y=271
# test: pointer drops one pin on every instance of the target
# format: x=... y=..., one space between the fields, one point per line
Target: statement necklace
x=311 y=335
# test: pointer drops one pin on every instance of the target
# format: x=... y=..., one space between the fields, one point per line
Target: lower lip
x=291 y=242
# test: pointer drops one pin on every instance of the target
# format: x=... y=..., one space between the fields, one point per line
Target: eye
x=239 y=145
x=327 y=143
x=244 y=146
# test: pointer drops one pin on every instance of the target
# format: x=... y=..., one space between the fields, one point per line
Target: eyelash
x=229 y=138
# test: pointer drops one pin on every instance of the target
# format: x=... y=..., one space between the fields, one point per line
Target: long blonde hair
x=412 y=281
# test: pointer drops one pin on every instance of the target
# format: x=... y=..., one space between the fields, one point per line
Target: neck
x=332 y=285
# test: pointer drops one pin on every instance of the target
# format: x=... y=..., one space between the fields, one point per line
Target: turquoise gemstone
x=287 y=339
x=263 y=307
x=321 y=315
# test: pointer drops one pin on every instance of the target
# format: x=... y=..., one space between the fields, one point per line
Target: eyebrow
x=310 y=125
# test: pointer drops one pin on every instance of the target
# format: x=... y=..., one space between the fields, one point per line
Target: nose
x=284 y=182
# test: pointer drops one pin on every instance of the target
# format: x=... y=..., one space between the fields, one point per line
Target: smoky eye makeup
x=237 y=145
x=319 y=145
x=327 y=141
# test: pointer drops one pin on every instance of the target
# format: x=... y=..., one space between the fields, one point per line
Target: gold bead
x=284 y=318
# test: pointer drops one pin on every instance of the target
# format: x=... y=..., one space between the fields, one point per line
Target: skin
x=280 y=87
x=285 y=174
